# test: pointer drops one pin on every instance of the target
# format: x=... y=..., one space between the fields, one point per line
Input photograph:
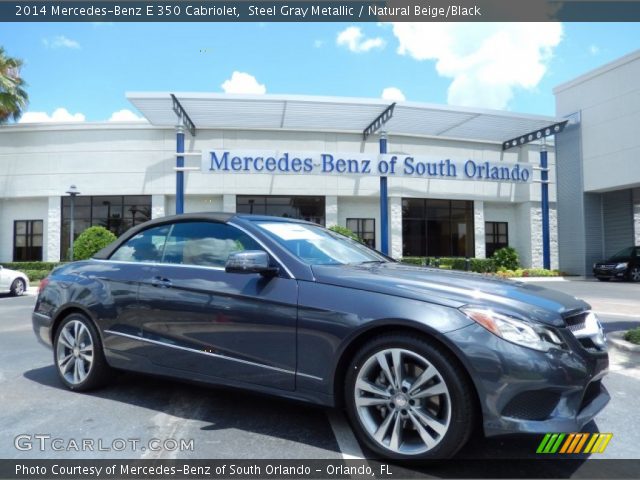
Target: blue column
x=546 y=241
x=384 y=203
x=179 y=173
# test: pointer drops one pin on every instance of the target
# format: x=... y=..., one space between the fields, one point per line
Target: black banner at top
x=319 y=11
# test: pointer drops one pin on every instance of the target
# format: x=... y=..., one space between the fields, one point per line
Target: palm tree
x=13 y=97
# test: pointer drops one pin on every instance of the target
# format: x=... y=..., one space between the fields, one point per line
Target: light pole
x=73 y=193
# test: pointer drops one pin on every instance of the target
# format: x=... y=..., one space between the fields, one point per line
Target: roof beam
x=383 y=118
x=543 y=132
x=181 y=113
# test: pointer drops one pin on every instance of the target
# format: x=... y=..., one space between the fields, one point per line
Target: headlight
x=622 y=265
x=514 y=330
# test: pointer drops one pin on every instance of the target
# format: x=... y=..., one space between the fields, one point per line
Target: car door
x=120 y=276
x=201 y=319
x=4 y=286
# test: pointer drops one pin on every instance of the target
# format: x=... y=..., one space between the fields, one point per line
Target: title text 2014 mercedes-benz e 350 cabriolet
x=417 y=356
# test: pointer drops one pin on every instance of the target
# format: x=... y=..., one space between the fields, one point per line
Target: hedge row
x=35 y=271
x=22 y=266
x=528 y=272
x=480 y=265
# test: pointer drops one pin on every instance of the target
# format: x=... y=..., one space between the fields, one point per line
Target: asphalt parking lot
x=230 y=424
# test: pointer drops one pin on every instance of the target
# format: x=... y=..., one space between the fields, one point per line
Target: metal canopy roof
x=332 y=114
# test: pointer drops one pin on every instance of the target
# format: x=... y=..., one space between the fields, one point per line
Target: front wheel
x=78 y=354
x=409 y=399
x=18 y=287
x=634 y=274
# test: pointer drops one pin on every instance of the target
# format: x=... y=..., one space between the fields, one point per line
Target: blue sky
x=86 y=68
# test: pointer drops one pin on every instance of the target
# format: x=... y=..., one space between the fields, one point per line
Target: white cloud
x=486 y=61
x=594 y=50
x=394 y=94
x=354 y=40
x=125 y=115
x=241 y=82
x=60 y=41
x=59 y=115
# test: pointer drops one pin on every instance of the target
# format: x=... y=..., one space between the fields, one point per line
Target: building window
x=27 y=240
x=115 y=213
x=365 y=228
x=496 y=236
x=300 y=207
x=437 y=228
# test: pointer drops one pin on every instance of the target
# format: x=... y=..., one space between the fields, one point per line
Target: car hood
x=614 y=260
x=454 y=289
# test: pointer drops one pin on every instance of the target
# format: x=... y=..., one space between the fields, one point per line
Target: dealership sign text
x=397 y=165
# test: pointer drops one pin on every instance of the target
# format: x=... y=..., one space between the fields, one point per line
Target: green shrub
x=506 y=258
x=22 y=266
x=633 y=336
x=479 y=265
x=346 y=232
x=92 y=240
x=420 y=261
x=36 y=275
x=527 y=272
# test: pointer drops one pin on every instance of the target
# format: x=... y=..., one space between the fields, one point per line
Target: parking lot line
x=618 y=314
x=347 y=443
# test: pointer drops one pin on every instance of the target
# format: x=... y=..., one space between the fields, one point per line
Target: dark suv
x=624 y=265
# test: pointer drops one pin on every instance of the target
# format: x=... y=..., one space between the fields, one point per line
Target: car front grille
x=576 y=322
x=587 y=331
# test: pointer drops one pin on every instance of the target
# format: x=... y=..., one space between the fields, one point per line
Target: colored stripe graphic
x=573 y=443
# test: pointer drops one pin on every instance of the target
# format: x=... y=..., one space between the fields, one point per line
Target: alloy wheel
x=18 y=289
x=402 y=401
x=634 y=275
x=74 y=353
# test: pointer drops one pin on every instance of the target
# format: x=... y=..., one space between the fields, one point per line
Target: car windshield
x=622 y=255
x=316 y=245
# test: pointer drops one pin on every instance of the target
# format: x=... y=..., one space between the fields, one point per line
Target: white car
x=13 y=282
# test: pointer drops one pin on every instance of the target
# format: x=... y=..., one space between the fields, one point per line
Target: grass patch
x=633 y=336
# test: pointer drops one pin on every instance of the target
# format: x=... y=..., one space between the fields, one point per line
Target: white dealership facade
x=126 y=172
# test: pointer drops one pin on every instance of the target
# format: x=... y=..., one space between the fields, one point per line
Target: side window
x=146 y=246
x=205 y=243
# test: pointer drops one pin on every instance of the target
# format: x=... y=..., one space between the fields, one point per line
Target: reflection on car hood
x=453 y=288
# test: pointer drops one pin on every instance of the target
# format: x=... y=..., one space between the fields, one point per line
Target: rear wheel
x=78 y=354
x=408 y=399
x=18 y=287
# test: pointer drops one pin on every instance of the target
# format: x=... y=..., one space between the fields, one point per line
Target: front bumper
x=526 y=391
x=600 y=272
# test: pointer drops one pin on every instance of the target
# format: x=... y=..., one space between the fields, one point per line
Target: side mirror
x=250 y=261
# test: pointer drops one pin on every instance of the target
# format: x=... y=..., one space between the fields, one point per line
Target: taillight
x=43 y=284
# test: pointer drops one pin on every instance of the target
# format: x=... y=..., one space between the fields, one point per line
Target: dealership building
x=598 y=171
x=453 y=188
x=458 y=181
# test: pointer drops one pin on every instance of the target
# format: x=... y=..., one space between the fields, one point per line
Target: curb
x=617 y=340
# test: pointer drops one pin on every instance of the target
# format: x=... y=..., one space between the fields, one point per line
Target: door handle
x=161 y=282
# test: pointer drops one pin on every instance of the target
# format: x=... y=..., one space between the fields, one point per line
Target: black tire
x=458 y=401
x=18 y=287
x=603 y=279
x=98 y=372
x=634 y=274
